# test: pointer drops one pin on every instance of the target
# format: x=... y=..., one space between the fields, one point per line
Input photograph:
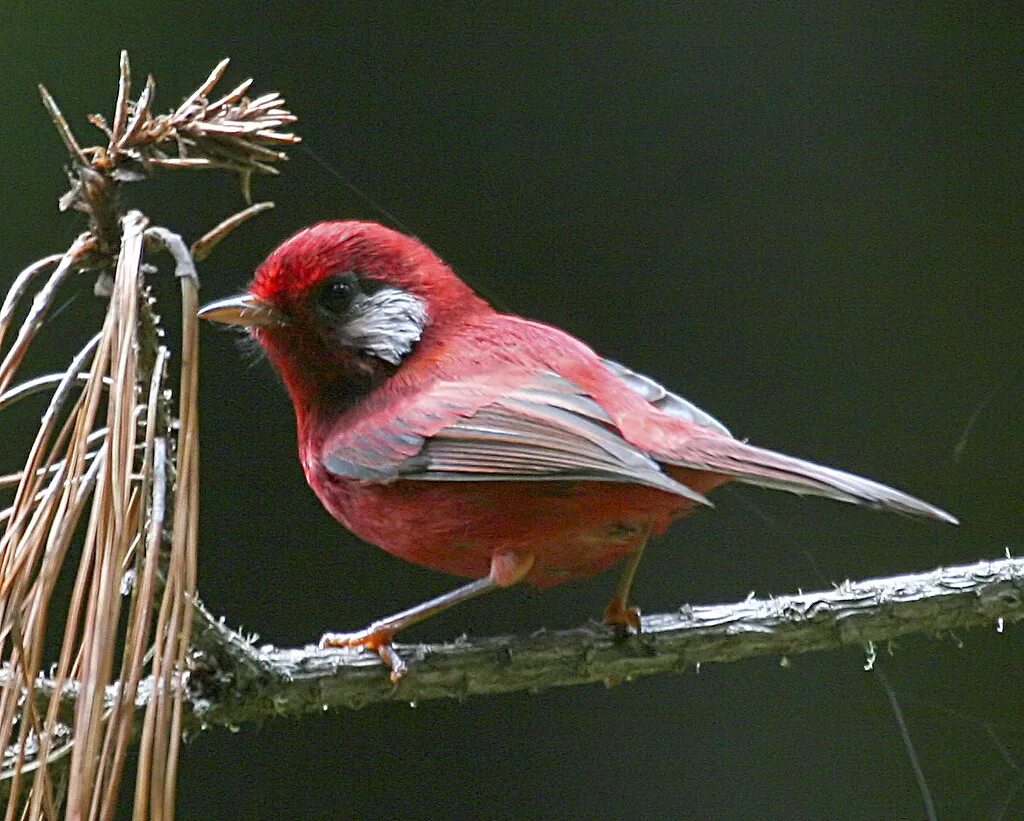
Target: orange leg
x=506 y=570
x=618 y=613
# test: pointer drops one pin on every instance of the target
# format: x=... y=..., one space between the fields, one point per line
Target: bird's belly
x=572 y=529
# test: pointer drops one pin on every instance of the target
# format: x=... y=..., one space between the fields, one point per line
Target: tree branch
x=233 y=682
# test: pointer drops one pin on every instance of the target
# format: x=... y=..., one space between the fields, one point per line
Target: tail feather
x=766 y=468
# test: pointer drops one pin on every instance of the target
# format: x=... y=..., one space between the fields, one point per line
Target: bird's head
x=339 y=305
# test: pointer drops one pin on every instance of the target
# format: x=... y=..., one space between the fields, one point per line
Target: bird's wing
x=716 y=451
x=547 y=429
x=752 y=465
x=663 y=399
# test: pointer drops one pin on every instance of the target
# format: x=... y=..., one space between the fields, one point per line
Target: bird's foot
x=622 y=617
x=375 y=638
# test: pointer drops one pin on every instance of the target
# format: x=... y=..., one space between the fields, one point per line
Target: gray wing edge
x=663 y=399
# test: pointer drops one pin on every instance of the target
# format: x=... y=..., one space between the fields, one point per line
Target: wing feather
x=663 y=399
x=766 y=468
x=546 y=430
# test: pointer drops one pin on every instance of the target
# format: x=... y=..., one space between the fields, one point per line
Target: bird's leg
x=506 y=570
x=618 y=613
x=377 y=636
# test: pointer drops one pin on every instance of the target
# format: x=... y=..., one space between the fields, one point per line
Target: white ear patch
x=386 y=323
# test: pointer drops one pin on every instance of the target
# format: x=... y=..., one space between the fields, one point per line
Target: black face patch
x=375 y=319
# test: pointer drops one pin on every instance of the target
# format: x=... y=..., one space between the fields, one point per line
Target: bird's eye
x=337 y=293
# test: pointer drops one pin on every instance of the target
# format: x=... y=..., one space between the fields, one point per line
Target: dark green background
x=807 y=221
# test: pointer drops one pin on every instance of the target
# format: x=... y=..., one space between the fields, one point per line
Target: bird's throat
x=322 y=382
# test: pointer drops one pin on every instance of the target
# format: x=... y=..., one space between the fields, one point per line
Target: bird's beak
x=245 y=310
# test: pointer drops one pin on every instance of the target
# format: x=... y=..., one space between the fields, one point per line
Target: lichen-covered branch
x=233 y=682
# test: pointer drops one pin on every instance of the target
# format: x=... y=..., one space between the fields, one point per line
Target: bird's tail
x=757 y=466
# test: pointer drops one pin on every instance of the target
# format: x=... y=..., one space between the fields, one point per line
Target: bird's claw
x=372 y=638
x=358 y=639
x=624 y=619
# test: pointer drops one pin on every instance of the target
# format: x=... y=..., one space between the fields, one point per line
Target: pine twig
x=110 y=454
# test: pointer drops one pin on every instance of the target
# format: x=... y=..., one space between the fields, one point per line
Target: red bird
x=479 y=443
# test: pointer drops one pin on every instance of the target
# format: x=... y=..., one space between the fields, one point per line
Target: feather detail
x=545 y=431
x=766 y=468
x=663 y=399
